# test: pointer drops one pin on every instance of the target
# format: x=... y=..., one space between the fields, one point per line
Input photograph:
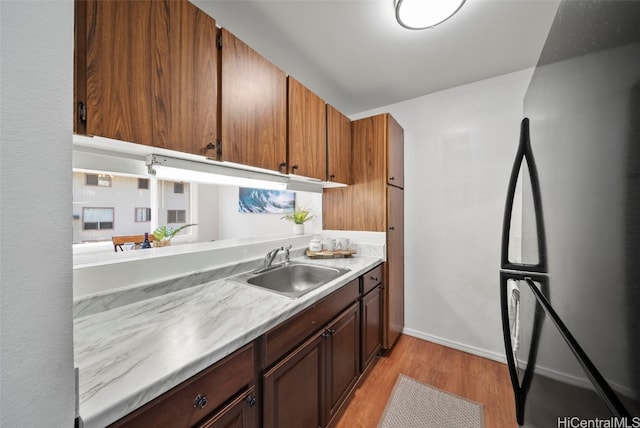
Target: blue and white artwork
x=265 y=201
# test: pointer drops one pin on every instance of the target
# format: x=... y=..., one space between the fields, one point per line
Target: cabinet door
x=293 y=389
x=307 y=132
x=253 y=107
x=240 y=413
x=394 y=284
x=395 y=166
x=371 y=326
x=148 y=73
x=343 y=358
x=194 y=81
x=338 y=146
x=361 y=206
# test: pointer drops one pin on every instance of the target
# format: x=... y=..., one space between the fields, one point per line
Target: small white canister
x=315 y=245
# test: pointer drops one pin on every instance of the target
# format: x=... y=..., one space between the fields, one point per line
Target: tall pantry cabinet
x=375 y=202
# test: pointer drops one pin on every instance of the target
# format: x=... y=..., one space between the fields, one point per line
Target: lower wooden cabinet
x=394 y=270
x=293 y=389
x=343 y=359
x=372 y=312
x=371 y=326
x=308 y=387
x=309 y=366
x=201 y=397
x=240 y=413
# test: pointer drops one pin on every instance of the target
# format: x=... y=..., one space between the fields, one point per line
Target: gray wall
x=459 y=148
x=36 y=342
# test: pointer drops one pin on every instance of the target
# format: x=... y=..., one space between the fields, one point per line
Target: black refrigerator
x=570 y=262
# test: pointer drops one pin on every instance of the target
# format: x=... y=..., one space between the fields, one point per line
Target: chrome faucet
x=268 y=259
x=271 y=255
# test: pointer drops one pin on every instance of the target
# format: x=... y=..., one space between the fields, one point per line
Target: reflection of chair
x=137 y=240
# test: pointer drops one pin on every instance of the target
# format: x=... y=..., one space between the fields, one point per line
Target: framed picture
x=265 y=201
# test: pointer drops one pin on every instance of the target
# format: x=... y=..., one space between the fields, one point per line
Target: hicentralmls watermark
x=613 y=422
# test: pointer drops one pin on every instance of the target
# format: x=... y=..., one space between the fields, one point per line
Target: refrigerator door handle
x=524 y=153
x=520 y=389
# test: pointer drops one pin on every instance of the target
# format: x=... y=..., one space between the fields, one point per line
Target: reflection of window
x=133 y=211
x=143 y=183
x=97 y=218
x=102 y=180
x=176 y=216
x=178 y=187
x=143 y=214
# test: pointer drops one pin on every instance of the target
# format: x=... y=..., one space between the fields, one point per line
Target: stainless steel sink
x=292 y=279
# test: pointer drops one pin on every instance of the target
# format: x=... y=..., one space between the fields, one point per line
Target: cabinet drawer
x=240 y=413
x=371 y=279
x=289 y=334
x=209 y=388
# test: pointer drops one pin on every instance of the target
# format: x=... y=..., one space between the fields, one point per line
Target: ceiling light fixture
x=423 y=14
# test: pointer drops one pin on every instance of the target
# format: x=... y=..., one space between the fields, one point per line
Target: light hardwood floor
x=476 y=378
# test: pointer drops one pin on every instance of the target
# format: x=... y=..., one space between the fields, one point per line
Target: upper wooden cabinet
x=307 y=125
x=395 y=153
x=338 y=146
x=160 y=73
x=146 y=72
x=361 y=206
x=253 y=107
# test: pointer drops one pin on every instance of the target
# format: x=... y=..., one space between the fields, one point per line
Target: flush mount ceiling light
x=423 y=14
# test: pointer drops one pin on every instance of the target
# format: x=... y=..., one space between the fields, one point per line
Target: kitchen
x=37 y=349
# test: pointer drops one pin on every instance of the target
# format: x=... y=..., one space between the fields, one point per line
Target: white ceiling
x=354 y=54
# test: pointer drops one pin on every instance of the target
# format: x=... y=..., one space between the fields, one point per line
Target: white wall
x=459 y=149
x=233 y=224
x=205 y=216
x=36 y=343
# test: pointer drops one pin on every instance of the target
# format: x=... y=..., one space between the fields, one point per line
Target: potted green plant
x=163 y=234
x=299 y=216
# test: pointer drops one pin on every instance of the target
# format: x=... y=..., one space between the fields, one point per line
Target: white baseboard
x=457 y=345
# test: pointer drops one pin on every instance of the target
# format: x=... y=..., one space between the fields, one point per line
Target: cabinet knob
x=281 y=166
x=374 y=278
x=392 y=228
x=211 y=146
x=200 y=402
x=332 y=177
x=293 y=168
x=392 y=178
x=251 y=401
x=328 y=332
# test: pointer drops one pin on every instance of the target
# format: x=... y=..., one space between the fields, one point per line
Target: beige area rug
x=414 y=404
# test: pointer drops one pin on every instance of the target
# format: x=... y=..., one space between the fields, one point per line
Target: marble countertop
x=131 y=354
